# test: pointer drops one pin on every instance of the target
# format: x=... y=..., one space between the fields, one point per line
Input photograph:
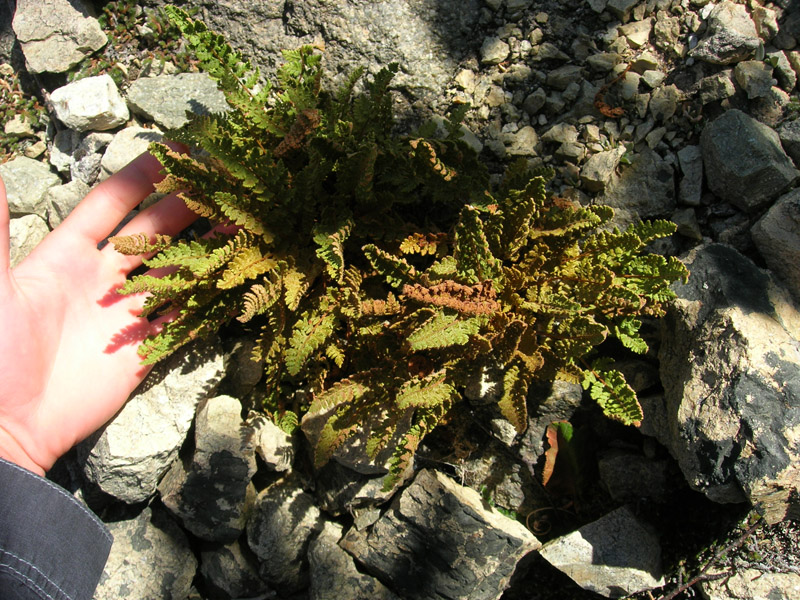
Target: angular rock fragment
x=210 y=493
x=26 y=182
x=282 y=525
x=55 y=35
x=333 y=575
x=90 y=103
x=744 y=161
x=614 y=556
x=231 y=571
x=166 y=99
x=126 y=146
x=25 y=234
x=643 y=190
x=128 y=457
x=150 y=558
x=730 y=364
x=777 y=237
x=731 y=35
x=439 y=540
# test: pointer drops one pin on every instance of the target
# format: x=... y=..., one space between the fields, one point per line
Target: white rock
x=126 y=146
x=62 y=199
x=56 y=35
x=129 y=456
x=90 y=103
x=26 y=233
x=26 y=182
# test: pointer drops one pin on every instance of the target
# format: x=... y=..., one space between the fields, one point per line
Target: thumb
x=4 y=235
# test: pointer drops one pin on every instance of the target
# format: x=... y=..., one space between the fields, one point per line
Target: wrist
x=12 y=451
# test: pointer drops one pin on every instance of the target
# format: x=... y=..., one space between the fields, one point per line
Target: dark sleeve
x=51 y=546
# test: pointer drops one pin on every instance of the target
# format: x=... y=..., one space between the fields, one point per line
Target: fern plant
x=380 y=271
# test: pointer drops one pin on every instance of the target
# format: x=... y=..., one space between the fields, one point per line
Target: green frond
x=471 y=251
x=249 y=263
x=443 y=329
x=312 y=329
x=330 y=240
x=425 y=392
x=342 y=392
x=609 y=389
x=513 y=404
x=140 y=243
x=396 y=271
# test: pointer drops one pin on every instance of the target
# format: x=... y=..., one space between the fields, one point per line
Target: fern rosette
x=378 y=269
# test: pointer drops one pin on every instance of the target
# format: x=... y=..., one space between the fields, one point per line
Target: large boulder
x=440 y=540
x=150 y=559
x=730 y=364
x=744 y=161
x=209 y=493
x=166 y=99
x=731 y=35
x=55 y=35
x=777 y=237
x=615 y=556
x=128 y=457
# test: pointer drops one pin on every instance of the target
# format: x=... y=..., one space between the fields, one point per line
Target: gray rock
x=686 y=220
x=598 y=169
x=341 y=491
x=433 y=39
x=621 y=8
x=273 y=445
x=690 y=187
x=87 y=168
x=494 y=51
x=744 y=161
x=523 y=142
x=731 y=35
x=19 y=126
x=55 y=35
x=60 y=200
x=27 y=181
x=284 y=522
x=440 y=540
x=25 y=233
x=645 y=189
x=630 y=476
x=561 y=77
x=167 y=98
x=333 y=574
x=534 y=101
x=637 y=32
x=547 y=403
x=231 y=571
x=160 y=411
x=730 y=359
x=751 y=584
x=777 y=237
x=615 y=556
x=755 y=78
x=210 y=493
x=90 y=103
x=716 y=87
x=126 y=146
x=664 y=102
x=789 y=134
x=150 y=559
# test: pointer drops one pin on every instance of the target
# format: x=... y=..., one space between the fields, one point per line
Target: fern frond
x=609 y=389
x=140 y=243
x=248 y=263
x=513 y=403
x=330 y=241
x=312 y=329
x=425 y=392
x=396 y=271
x=442 y=330
x=474 y=259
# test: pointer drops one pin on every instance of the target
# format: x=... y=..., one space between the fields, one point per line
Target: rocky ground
x=683 y=109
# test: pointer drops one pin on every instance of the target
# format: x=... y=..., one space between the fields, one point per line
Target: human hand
x=68 y=341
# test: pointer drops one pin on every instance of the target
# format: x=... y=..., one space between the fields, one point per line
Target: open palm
x=68 y=341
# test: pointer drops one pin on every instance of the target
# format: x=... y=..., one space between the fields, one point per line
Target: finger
x=110 y=201
x=169 y=216
x=5 y=219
